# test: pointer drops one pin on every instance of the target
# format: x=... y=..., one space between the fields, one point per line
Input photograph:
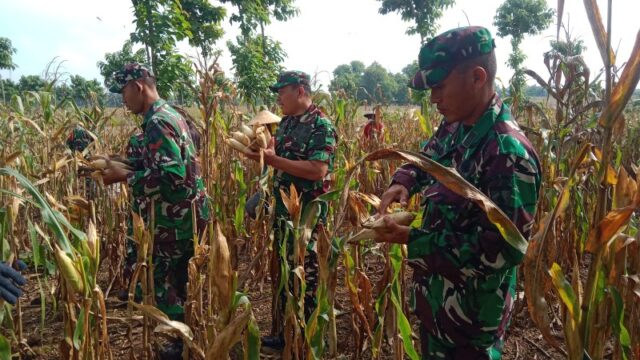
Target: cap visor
x=419 y=81
x=277 y=86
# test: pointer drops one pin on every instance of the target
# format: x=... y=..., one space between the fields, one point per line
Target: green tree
x=204 y=24
x=253 y=14
x=379 y=84
x=347 y=77
x=257 y=64
x=31 y=83
x=6 y=60
x=6 y=54
x=9 y=88
x=256 y=57
x=519 y=18
x=116 y=60
x=424 y=14
x=401 y=96
x=81 y=88
x=160 y=24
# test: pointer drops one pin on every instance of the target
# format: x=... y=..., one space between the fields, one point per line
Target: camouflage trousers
x=170 y=274
x=436 y=349
x=310 y=273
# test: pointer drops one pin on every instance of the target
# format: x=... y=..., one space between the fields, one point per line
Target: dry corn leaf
x=220 y=262
x=625 y=189
x=624 y=88
x=292 y=203
x=168 y=326
x=11 y=158
x=611 y=176
x=456 y=183
x=599 y=33
x=609 y=226
x=228 y=336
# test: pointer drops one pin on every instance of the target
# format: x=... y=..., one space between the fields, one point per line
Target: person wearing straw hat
x=302 y=153
x=269 y=120
x=374 y=126
x=464 y=271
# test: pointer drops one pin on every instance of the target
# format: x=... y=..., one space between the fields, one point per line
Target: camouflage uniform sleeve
x=165 y=170
x=512 y=182
x=412 y=177
x=135 y=151
x=322 y=143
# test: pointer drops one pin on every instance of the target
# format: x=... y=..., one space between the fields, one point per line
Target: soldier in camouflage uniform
x=79 y=139
x=464 y=271
x=302 y=153
x=167 y=174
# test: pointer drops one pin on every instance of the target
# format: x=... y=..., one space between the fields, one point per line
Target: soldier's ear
x=139 y=86
x=479 y=76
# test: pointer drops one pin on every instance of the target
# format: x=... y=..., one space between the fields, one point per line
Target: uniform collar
x=310 y=114
x=484 y=123
x=152 y=110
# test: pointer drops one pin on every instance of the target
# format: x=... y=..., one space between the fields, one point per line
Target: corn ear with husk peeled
x=370 y=226
x=247 y=131
x=237 y=145
x=69 y=271
x=241 y=137
x=401 y=218
x=92 y=240
x=100 y=164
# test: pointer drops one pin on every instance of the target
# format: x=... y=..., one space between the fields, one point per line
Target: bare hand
x=396 y=193
x=114 y=174
x=392 y=232
x=269 y=152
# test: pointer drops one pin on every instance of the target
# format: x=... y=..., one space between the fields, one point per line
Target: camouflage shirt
x=310 y=136
x=464 y=271
x=79 y=139
x=166 y=170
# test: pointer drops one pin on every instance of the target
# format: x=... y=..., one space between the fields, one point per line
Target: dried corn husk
x=262 y=137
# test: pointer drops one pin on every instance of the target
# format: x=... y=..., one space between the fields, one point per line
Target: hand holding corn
x=248 y=141
x=391 y=228
x=108 y=170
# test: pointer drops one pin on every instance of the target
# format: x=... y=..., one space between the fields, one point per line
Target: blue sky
x=327 y=33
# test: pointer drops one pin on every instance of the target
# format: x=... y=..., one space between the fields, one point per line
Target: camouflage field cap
x=292 y=77
x=120 y=78
x=442 y=53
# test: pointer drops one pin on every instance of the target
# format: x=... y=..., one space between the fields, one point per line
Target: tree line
x=257 y=58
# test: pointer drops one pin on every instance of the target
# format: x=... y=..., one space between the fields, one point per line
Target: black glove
x=9 y=282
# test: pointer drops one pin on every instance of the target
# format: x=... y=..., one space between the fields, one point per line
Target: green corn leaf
x=5 y=348
x=78 y=332
x=617 y=323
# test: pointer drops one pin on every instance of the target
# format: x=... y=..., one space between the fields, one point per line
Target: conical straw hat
x=265 y=117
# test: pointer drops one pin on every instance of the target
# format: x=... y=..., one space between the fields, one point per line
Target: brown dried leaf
x=625 y=190
x=228 y=336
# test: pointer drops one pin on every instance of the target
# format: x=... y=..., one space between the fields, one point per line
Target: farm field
x=73 y=238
